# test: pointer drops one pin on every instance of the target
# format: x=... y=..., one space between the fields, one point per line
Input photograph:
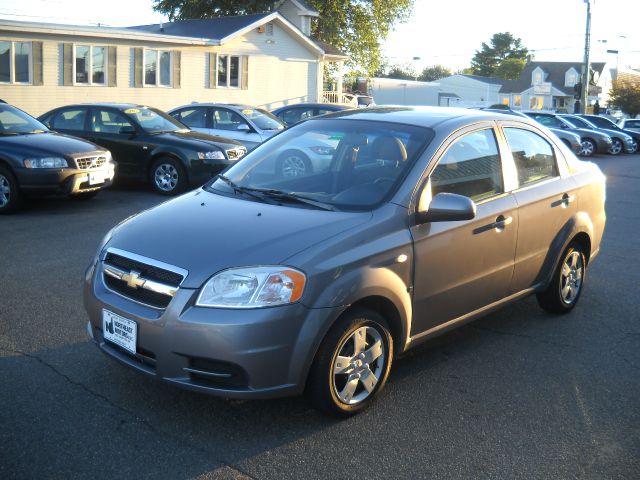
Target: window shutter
x=112 y=66
x=244 y=83
x=67 y=63
x=176 y=68
x=213 y=65
x=36 y=57
x=137 y=67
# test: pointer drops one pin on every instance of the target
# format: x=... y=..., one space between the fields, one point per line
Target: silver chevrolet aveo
x=261 y=285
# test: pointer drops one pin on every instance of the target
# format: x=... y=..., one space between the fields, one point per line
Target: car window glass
x=71 y=119
x=227 y=120
x=533 y=156
x=602 y=122
x=263 y=119
x=578 y=122
x=471 y=167
x=295 y=115
x=548 y=121
x=323 y=111
x=193 y=117
x=108 y=121
x=632 y=124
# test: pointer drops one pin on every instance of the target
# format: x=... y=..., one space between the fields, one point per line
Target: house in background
x=469 y=91
x=550 y=86
x=264 y=60
x=393 y=91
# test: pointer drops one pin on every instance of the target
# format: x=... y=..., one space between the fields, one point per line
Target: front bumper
x=64 y=181
x=233 y=353
x=604 y=144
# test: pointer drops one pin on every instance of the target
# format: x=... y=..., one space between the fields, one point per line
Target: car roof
x=119 y=106
x=233 y=106
x=421 y=116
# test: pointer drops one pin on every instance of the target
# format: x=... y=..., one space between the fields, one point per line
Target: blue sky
x=439 y=32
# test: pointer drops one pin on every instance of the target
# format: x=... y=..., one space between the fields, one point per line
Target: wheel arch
x=164 y=153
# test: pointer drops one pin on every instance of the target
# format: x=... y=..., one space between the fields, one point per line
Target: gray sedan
x=268 y=285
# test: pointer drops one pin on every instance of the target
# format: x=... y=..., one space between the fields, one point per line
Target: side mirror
x=127 y=130
x=446 y=207
x=243 y=127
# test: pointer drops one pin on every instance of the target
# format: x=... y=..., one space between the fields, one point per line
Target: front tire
x=588 y=147
x=565 y=288
x=616 y=147
x=634 y=146
x=352 y=364
x=294 y=163
x=168 y=177
x=10 y=197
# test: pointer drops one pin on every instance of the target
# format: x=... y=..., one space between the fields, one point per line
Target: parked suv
x=267 y=285
x=36 y=161
x=148 y=144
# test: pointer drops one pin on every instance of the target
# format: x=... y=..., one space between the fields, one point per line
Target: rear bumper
x=64 y=181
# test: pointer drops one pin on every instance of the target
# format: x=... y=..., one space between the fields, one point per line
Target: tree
x=435 y=72
x=510 y=68
x=354 y=26
x=503 y=46
x=625 y=94
x=402 y=72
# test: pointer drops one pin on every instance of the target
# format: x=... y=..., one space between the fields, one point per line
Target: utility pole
x=584 y=98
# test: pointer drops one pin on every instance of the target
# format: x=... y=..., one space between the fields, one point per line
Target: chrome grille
x=86 y=163
x=141 y=279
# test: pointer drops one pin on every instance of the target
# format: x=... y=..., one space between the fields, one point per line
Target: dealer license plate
x=119 y=330
x=97 y=177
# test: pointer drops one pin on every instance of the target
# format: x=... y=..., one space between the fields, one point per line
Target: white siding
x=472 y=93
x=281 y=71
x=391 y=91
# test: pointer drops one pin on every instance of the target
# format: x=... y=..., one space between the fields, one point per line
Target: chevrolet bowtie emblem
x=133 y=279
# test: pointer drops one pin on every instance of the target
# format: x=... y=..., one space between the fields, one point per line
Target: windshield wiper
x=238 y=189
x=292 y=196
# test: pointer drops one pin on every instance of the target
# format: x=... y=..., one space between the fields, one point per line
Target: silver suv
x=268 y=285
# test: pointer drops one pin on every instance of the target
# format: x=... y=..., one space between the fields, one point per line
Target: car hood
x=49 y=143
x=197 y=139
x=205 y=233
x=615 y=133
x=586 y=132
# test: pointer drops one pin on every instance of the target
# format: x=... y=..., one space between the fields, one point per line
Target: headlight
x=322 y=150
x=215 y=155
x=46 y=162
x=252 y=287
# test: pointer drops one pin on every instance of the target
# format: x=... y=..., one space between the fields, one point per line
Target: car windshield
x=15 y=122
x=602 y=122
x=154 y=121
x=263 y=119
x=327 y=163
x=580 y=123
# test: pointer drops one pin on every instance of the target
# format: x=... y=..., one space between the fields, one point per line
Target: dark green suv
x=148 y=144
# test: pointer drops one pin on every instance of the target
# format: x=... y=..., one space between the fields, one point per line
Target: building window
x=505 y=101
x=571 y=78
x=228 y=71
x=15 y=62
x=90 y=65
x=537 y=76
x=157 y=68
x=536 y=103
x=517 y=100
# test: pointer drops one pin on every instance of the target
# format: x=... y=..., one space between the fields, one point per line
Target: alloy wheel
x=166 y=177
x=616 y=147
x=587 y=148
x=571 y=277
x=5 y=191
x=358 y=365
x=293 y=166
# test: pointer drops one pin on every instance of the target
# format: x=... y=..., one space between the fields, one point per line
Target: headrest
x=389 y=148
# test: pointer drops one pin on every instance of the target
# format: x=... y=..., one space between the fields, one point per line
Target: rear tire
x=352 y=364
x=168 y=177
x=10 y=197
x=616 y=147
x=565 y=288
x=294 y=163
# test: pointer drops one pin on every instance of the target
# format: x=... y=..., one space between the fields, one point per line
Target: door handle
x=564 y=201
x=502 y=222
x=499 y=225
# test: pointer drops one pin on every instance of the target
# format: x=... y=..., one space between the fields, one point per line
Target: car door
x=127 y=148
x=462 y=266
x=70 y=120
x=230 y=124
x=196 y=118
x=546 y=196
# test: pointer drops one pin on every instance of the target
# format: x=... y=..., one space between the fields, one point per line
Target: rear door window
x=533 y=155
x=471 y=167
x=193 y=117
x=108 y=121
x=69 y=119
x=227 y=120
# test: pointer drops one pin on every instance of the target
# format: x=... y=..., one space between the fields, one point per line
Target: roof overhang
x=99 y=32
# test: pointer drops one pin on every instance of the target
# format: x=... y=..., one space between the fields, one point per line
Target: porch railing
x=336 y=97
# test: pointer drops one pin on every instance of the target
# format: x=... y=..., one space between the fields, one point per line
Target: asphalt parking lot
x=518 y=394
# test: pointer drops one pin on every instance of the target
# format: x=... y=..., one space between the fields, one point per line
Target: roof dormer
x=537 y=76
x=299 y=13
x=571 y=77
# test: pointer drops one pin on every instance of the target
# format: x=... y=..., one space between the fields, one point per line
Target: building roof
x=554 y=73
x=329 y=49
x=214 y=28
x=491 y=80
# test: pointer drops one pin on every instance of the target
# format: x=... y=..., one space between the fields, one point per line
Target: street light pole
x=585 y=66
